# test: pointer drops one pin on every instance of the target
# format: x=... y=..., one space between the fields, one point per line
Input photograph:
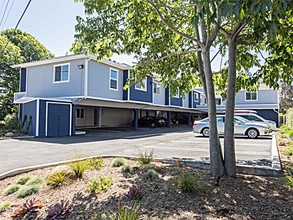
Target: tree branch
x=217 y=27
x=171 y=26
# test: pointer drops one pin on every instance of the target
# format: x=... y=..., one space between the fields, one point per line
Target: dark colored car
x=151 y=121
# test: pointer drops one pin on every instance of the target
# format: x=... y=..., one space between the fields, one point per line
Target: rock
x=9 y=134
x=65 y=169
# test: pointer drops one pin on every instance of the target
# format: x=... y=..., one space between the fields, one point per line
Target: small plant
x=79 y=167
x=57 y=179
x=59 y=210
x=95 y=164
x=34 y=181
x=288 y=150
x=11 y=189
x=98 y=185
x=28 y=190
x=126 y=213
x=146 y=157
x=126 y=169
x=134 y=193
x=118 y=162
x=188 y=183
x=289 y=181
x=31 y=206
x=4 y=206
x=22 y=180
x=152 y=174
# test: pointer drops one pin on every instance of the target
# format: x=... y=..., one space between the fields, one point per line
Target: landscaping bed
x=157 y=194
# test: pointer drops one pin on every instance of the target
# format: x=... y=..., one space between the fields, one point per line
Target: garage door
x=58 y=119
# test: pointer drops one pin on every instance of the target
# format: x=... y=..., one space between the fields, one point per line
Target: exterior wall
x=116 y=117
x=268 y=114
x=185 y=101
x=40 y=81
x=263 y=97
x=140 y=95
x=159 y=99
x=125 y=77
x=99 y=81
x=22 y=80
x=29 y=109
x=88 y=119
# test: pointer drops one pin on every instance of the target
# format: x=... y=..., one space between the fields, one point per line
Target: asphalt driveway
x=167 y=143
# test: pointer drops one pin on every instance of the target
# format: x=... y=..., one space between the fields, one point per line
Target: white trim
x=110 y=78
x=153 y=94
x=70 y=116
x=157 y=83
x=145 y=89
x=128 y=95
x=62 y=81
x=86 y=78
x=37 y=117
x=254 y=100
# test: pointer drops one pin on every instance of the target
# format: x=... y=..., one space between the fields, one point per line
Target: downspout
x=86 y=78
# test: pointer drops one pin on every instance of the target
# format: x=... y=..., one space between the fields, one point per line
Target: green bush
x=95 y=164
x=118 y=162
x=188 y=183
x=288 y=150
x=4 y=206
x=11 y=189
x=98 y=185
x=79 y=167
x=23 y=179
x=127 y=213
x=28 y=190
x=152 y=174
x=289 y=181
x=34 y=181
x=58 y=179
x=126 y=169
x=146 y=157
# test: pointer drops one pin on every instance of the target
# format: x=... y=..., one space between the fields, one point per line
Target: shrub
x=289 y=181
x=28 y=190
x=57 y=179
x=59 y=210
x=134 y=193
x=31 y=206
x=288 y=150
x=4 y=206
x=189 y=183
x=79 y=167
x=22 y=180
x=95 y=163
x=98 y=185
x=118 y=162
x=34 y=181
x=146 y=157
x=126 y=169
x=11 y=189
x=152 y=174
x=126 y=213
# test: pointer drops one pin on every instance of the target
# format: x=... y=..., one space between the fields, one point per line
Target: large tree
x=20 y=47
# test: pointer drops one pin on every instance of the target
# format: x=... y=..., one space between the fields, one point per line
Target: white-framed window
x=196 y=97
x=250 y=96
x=113 y=79
x=61 y=73
x=177 y=94
x=80 y=113
x=142 y=85
x=157 y=88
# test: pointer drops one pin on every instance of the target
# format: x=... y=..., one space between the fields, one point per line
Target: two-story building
x=65 y=93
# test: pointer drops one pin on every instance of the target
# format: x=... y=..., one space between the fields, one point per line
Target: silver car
x=242 y=126
x=257 y=118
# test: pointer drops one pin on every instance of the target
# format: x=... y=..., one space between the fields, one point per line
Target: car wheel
x=206 y=132
x=252 y=133
x=153 y=124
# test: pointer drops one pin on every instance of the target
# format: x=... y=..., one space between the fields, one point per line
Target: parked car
x=151 y=121
x=257 y=118
x=165 y=120
x=242 y=126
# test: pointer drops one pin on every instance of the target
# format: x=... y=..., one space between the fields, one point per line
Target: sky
x=52 y=22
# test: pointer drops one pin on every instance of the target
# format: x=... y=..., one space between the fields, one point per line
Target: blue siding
x=190 y=100
x=125 y=77
x=58 y=120
x=268 y=114
x=167 y=96
x=29 y=109
x=142 y=96
x=176 y=101
x=42 y=117
x=22 y=82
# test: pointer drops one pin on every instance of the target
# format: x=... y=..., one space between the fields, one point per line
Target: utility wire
x=7 y=15
x=4 y=12
x=3 y=3
x=2 y=52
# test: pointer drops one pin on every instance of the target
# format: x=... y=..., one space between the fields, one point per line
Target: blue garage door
x=58 y=120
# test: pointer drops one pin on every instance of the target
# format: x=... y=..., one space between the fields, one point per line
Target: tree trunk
x=229 y=144
x=216 y=157
x=201 y=72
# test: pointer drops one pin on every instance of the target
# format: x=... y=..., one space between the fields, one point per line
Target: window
x=177 y=94
x=220 y=119
x=80 y=113
x=61 y=73
x=196 y=97
x=142 y=85
x=250 y=96
x=157 y=88
x=113 y=79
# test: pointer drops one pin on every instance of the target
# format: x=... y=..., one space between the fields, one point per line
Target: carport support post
x=135 y=120
x=169 y=119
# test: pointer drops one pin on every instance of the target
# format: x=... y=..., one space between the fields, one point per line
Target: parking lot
x=167 y=143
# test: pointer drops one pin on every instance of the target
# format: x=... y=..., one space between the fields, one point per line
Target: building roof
x=73 y=57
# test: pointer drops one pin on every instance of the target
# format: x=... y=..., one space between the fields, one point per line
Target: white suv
x=255 y=117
